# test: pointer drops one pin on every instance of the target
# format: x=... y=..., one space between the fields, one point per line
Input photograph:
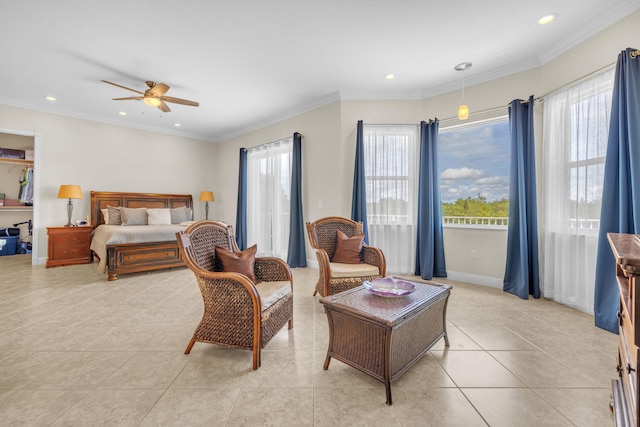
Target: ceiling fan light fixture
x=151 y=101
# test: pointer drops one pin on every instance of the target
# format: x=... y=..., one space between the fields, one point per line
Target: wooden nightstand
x=69 y=246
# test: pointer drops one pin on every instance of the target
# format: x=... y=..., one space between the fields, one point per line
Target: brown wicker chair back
x=322 y=233
x=200 y=241
x=323 y=240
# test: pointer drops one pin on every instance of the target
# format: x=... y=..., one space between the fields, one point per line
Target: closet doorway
x=18 y=191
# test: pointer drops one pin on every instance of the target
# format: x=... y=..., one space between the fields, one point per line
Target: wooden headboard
x=102 y=199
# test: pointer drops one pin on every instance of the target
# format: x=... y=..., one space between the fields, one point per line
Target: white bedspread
x=105 y=235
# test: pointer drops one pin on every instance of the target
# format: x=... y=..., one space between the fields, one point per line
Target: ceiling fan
x=154 y=96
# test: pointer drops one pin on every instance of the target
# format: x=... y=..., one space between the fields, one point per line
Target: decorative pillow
x=158 y=216
x=105 y=215
x=348 y=248
x=134 y=216
x=114 y=216
x=179 y=215
x=242 y=262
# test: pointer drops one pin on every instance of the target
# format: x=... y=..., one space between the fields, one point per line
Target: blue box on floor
x=8 y=245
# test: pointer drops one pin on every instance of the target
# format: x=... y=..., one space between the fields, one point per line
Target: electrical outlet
x=474 y=254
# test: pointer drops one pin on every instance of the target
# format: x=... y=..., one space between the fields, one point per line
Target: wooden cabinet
x=625 y=392
x=68 y=246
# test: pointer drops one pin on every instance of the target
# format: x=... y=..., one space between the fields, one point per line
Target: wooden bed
x=137 y=257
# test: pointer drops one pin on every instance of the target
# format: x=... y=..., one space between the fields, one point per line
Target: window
x=391 y=159
x=474 y=173
x=268 y=191
x=575 y=135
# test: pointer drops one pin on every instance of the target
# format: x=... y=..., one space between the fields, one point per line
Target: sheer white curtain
x=391 y=168
x=576 y=126
x=268 y=188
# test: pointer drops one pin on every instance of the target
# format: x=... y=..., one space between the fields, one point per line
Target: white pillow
x=159 y=216
x=105 y=215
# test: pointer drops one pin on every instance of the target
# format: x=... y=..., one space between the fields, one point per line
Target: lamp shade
x=463 y=112
x=206 y=196
x=69 y=192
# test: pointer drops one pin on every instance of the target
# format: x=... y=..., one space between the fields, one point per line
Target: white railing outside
x=475 y=221
x=584 y=224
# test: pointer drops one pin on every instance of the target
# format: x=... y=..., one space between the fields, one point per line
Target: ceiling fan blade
x=128 y=98
x=123 y=87
x=164 y=107
x=180 y=101
x=158 y=89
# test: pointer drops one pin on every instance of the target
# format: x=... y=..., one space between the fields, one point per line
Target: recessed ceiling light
x=545 y=19
x=177 y=125
x=122 y=113
x=49 y=98
x=389 y=76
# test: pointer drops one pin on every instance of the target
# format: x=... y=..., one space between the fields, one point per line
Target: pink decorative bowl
x=389 y=287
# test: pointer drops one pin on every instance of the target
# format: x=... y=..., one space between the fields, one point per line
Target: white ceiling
x=252 y=62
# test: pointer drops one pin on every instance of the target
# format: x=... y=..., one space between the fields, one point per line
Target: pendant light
x=463 y=110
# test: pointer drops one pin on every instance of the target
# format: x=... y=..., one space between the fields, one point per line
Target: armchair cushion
x=340 y=270
x=348 y=248
x=271 y=292
x=243 y=262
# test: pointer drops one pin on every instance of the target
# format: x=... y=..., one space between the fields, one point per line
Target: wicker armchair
x=334 y=278
x=237 y=312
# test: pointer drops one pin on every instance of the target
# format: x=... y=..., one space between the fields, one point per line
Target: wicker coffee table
x=383 y=337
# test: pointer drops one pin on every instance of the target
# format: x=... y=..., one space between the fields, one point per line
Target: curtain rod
x=477 y=113
x=392 y=124
x=273 y=142
x=578 y=80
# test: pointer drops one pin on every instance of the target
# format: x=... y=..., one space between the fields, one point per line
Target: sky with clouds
x=474 y=160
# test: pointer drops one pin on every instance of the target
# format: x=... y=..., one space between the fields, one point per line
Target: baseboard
x=490 y=282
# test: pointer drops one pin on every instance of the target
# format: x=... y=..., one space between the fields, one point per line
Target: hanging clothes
x=25 y=195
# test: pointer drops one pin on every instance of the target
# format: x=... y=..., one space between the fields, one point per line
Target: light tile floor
x=76 y=349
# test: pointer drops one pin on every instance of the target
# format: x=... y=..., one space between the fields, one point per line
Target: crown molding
x=595 y=26
x=525 y=64
x=97 y=119
x=363 y=95
x=289 y=113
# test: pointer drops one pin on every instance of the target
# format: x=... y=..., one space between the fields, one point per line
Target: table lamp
x=206 y=197
x=69 y=192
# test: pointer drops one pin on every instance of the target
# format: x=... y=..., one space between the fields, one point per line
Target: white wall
x=104 y=157
x=475 y=255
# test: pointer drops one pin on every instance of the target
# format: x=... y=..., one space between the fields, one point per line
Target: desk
x=383 y=337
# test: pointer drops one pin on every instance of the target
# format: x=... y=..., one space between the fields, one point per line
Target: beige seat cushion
x=340 y=270
x=271 y=292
